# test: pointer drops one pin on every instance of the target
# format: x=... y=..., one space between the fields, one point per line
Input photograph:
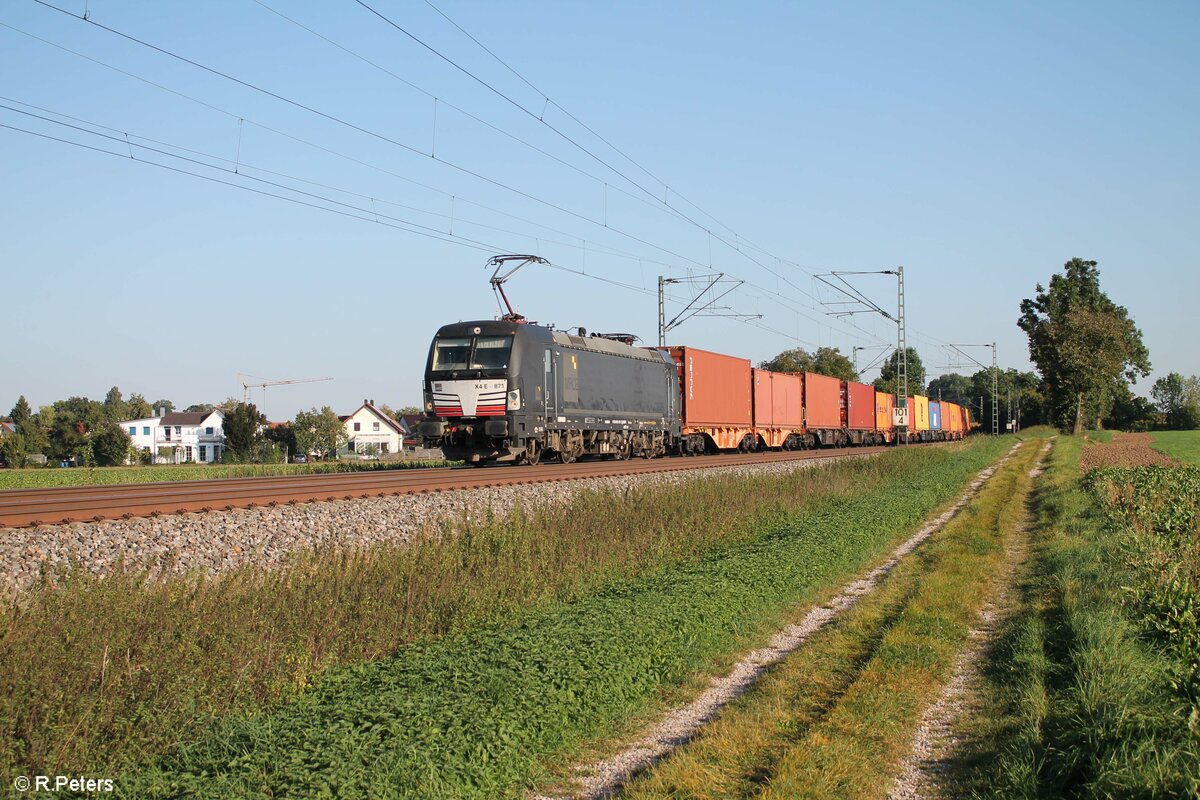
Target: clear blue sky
x=979 y=145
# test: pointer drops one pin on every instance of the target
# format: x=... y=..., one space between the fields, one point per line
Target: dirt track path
x=606 y=777
x=937 y=749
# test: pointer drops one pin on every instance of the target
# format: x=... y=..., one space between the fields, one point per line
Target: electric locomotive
x=510 y=391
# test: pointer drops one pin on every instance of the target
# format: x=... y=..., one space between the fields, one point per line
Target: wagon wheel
x=532 y=454
x=565 y=455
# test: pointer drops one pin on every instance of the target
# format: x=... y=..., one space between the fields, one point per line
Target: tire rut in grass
x=605 y=778
x=943 y=752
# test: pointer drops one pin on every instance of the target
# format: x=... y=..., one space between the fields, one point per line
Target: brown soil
x=1125 y=450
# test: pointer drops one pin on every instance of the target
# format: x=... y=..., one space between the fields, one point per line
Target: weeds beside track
x=518 y=638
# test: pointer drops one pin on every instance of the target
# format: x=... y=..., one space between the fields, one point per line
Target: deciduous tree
x=1177 y=397
x=138 y=407
x=1082 y=343
x=243 y=426
x=110 y=444
x=886 y=382
x=319 y=432
x=826 y=361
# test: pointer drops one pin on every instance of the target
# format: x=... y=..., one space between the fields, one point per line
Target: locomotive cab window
x=491 y=352
x=451 y=354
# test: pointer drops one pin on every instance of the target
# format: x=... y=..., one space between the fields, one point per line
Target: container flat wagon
x=778 y=410
x=824 y=410
x=885 y=425
x=860 y=414
x=717 y=409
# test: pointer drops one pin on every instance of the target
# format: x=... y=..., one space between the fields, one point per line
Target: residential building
x=370 y=430
x=180 y=436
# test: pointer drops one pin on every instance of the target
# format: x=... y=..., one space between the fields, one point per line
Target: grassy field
x=1092 y=688
x=89 y=476
x=834 y=719
x=1184 y=445
x=456 y=667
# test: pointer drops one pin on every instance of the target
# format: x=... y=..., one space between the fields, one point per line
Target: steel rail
x=59 y=505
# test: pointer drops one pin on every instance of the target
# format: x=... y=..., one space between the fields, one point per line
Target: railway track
x=32 y=507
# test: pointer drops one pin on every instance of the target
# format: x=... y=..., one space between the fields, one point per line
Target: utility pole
x=695 y=308
x=859 y=303
x=901 y=354
x=995 y=393
x=662 y=310
x=995 y=370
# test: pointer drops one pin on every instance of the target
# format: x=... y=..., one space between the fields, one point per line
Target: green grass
x=835 y=718
x=1099 y=436
x=1183 y=445
x=456 y=667
x=42 y=478
x=1086 y=694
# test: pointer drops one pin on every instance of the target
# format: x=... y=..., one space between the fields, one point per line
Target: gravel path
x=929 y=769
x=605 y=778
x=220 y=541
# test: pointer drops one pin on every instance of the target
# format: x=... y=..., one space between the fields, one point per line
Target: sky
x=978 y=145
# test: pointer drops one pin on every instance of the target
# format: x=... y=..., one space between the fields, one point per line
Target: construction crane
x=246 y=386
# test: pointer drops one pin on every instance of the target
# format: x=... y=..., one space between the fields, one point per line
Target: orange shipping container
x=884 y=405
x=715 y=388
x=822 y=401
x=778 y=400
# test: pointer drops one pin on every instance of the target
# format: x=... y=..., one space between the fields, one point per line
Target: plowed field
x=1125 y=450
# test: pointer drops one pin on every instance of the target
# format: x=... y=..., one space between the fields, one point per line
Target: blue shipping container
x=935 y=416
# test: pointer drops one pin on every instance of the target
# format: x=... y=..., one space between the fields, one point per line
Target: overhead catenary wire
x=569 y=139
x=738 y=238
x=766 y=293
x=364 y=215
x=774 y=297
x=368 y=132
x=594 y=177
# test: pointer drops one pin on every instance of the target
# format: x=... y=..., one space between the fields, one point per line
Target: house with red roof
x=371 y=432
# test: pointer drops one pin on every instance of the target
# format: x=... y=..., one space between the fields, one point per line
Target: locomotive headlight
x=514 y=400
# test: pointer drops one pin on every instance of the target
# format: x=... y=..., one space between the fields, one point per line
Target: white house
x=190 y=436
x=370 y=430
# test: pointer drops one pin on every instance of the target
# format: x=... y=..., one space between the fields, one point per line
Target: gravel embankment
x=224 y=540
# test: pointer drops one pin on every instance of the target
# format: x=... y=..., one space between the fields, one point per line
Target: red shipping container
x=778 y=400
x=884 y=404
x=822 y=401
x=860 y=406
x=715 y=388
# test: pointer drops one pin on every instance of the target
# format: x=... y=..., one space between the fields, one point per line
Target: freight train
x=509 y=391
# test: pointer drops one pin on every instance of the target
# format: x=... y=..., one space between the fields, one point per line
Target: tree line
x=1087 y=352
